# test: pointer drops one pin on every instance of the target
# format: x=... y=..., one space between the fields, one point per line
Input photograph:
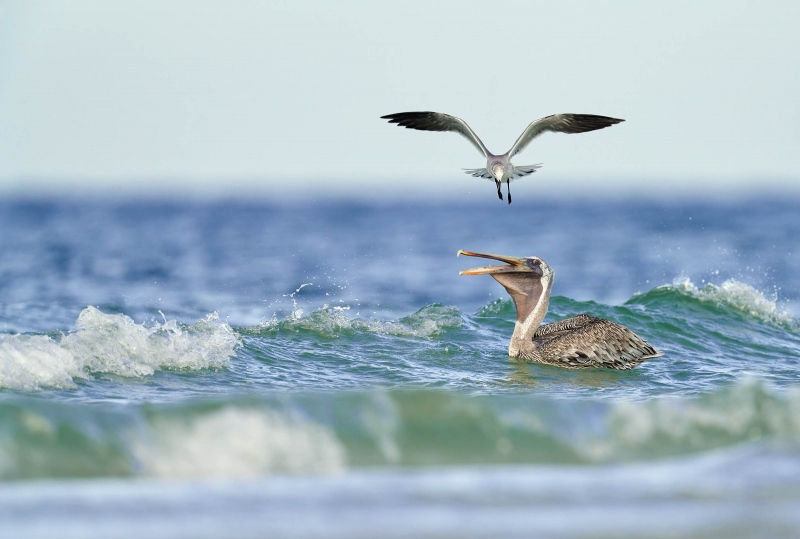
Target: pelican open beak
x=512 y=264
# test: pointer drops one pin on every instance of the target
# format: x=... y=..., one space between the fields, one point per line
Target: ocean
x=246 y=369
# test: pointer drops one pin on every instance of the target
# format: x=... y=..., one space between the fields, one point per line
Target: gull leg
x=499 y=194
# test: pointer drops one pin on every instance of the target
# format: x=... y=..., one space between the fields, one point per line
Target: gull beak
x=512 y=264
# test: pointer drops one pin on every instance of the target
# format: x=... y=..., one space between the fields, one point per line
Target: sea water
x=320 y=369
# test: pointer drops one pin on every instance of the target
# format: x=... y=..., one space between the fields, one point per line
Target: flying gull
x=581 y=341
x=499 y=167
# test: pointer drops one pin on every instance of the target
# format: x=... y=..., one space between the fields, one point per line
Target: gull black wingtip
x=413 y=114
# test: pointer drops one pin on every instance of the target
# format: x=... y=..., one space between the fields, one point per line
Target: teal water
x=247 y=370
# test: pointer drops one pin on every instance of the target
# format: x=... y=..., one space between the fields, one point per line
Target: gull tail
x=524 y=170
x=518 y=172
x=478 y=172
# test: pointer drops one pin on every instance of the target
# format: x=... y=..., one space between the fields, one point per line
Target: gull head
x=498 y=171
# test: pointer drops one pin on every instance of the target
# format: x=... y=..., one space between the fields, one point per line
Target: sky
x=283 y=98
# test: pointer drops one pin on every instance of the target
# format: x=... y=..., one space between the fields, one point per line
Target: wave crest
x=731 y=295
x=330 y=322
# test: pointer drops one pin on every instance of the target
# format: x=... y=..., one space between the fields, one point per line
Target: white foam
x=238 y=443
x=115 y=344
x=737 y=296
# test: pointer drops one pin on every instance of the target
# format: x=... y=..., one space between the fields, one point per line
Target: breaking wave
x=112 y=344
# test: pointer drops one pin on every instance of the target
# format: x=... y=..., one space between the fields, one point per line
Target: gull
x=499 y=167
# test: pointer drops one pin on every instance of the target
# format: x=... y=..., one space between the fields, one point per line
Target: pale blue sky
x=283 y=98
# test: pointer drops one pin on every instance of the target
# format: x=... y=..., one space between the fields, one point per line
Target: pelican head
x=526 y=279
x=534 y=266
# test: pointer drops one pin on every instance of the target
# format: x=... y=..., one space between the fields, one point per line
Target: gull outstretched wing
x=437 y=121
x=561 y=123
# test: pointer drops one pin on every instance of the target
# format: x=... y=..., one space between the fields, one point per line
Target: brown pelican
x=579 y=342
x=499 y=167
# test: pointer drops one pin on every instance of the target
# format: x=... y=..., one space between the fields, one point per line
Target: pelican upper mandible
x=499 y=167
x=579 y=342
